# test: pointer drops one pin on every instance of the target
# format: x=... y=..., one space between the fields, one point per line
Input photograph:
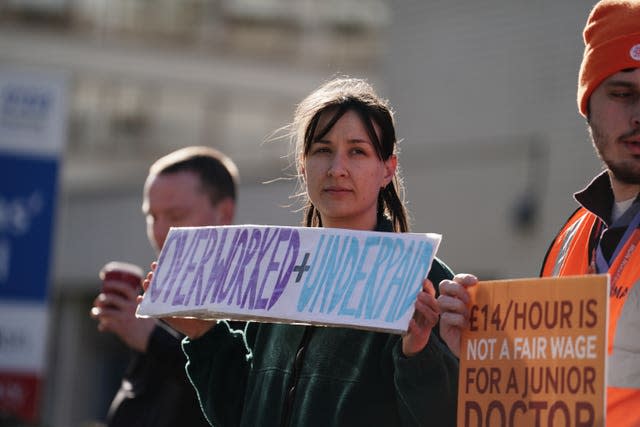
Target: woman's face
x=344 y=175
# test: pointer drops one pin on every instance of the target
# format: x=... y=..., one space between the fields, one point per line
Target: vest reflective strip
x=566 y=243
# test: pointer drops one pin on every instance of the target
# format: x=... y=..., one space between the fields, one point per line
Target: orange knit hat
x=612 y=43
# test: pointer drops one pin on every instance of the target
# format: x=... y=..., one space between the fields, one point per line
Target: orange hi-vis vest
x=569 y=255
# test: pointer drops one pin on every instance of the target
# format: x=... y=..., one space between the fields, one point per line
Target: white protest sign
x=324 y=276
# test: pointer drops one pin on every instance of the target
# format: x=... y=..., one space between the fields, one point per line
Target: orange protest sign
x=534 y=353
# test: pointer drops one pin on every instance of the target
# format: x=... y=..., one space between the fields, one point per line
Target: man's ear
x=226 y=209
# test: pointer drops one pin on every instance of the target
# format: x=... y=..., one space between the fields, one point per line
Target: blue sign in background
x=27 y=206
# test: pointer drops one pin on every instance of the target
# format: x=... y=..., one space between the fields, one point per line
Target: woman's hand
x=424 y=319
x=453 y=302
x=193 y=328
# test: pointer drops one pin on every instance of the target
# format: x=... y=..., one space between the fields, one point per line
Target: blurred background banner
x=32 y=135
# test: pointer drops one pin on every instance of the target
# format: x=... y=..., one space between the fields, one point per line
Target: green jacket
x=291 y=375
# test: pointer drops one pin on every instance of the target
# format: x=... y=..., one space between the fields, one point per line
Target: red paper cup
x=124 y=272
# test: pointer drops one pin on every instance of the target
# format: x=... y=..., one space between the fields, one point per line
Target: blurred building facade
x=485 y=99
x=494 y=147
x=148 y=77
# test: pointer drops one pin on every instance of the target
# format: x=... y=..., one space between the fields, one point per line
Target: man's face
x=614 y=122
x=176 y=200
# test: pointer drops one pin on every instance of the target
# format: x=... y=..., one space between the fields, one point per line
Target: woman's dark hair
x=336 y=97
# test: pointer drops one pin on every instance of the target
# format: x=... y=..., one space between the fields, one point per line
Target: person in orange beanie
x=603 y=234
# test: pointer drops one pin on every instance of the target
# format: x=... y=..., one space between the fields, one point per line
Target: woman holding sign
x=293 y=375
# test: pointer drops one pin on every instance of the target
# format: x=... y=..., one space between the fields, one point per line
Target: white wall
x=474 y=83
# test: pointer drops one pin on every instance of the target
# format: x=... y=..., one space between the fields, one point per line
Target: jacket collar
x=597 y=197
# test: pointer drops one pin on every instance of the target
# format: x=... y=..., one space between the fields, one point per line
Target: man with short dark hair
x=193 y=186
